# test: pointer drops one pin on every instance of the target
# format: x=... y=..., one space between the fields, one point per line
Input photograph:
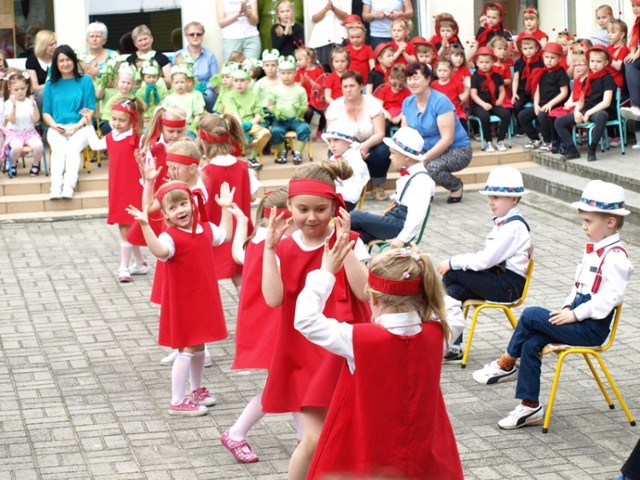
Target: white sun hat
x=599 y=196
x=408 y=142
x=504 y=181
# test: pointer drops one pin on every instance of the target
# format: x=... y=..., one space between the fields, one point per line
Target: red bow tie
x=589 y=249
x=404 y=171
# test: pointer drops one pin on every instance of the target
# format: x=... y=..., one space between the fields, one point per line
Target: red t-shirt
x=391 y=101
x=504 y=71
x=334 y=82
x=359 y=60
x=305 y=76
x=617 y=53
x=453 y=89
x=410 y=49
x=460 y=74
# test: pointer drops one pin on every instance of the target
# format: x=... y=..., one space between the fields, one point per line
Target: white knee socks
x=197 y=368
x=125 y=254
x=179 y=373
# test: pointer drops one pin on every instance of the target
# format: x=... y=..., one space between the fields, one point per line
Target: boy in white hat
x=402 y=221
x=498 y=272
x=339 y=136
x=584 y=318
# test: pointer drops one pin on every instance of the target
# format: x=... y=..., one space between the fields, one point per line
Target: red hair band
x=124 y=107
x=394 y=287
x=180 y=123
x=304 y=186
x=267 y=212
x=211 y=138
x=196 y=198
x=182 y=159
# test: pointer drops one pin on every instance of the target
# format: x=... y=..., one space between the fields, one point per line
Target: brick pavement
x=82 y=394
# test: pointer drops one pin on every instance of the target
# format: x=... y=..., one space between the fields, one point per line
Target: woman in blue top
x=67 y=95
x=446 y=143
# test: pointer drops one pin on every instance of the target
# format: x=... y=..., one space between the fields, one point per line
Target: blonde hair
x=140 y=30
x=197 y=25
x=170 y=113
x=186 y=146
x=137 y=106
x=398 y=264
x=309 y=52
x=174 y=196
x=279 y=30
x=614 y=24
x=498 y=42
x=43 y=39
x=338 y=50
x=237 y=56
x=405 y=22
x=326 y=171
x=215 y=124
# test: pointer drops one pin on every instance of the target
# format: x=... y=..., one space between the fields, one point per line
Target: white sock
x=298 y=424
x=179 y=373
x=125 y=254
x=137 y=254
x=197 y=368
x=251 y=414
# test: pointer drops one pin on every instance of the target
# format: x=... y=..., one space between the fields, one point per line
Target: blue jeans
x=495 y=284
x=280 y=127
x=378 y=227
x=534 y=331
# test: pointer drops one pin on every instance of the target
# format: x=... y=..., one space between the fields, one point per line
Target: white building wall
x=71 y=18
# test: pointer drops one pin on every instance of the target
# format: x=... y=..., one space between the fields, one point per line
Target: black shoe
x=453 y=357
x=255 y=164
x=591 y=156
x=282 y=158
x=572 y=152
x=297 y=158
x=457 y=199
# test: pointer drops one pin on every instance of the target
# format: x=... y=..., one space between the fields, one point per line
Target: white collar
x=117 y=136
x=607 y=241
x=399 y=320
x=223 y=160
x=510 y=213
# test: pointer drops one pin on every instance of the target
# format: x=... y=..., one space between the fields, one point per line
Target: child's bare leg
x=36 y=147
x=312 y=422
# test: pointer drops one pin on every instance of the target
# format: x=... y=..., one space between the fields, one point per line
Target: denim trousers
x=534 y=331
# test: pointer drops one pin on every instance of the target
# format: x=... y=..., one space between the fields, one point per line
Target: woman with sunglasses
x=238 y=20
x=205 y=65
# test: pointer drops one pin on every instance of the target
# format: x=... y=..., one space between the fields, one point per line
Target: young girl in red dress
x=166 y=126
x=191 y=312
x=302 y=376
x=340 y=62
x=124 y=177
x=453 y=89
x=311 y=77
x=257 y=323
x=404 y=52
x=408 y=435
x=219 y=137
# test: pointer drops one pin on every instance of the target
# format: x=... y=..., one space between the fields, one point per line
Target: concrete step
x=567 y=187
x=55 y=215
x=26 y=185
x=39 y=202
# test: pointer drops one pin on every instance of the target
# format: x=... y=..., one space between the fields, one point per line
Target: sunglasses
x=195 y=34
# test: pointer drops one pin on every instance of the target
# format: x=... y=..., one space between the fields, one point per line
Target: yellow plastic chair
x=479 y=305
x=563 y=350
x=363 y=197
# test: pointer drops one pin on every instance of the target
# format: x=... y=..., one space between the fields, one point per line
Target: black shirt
x=479 y=83
x=159 y=57
x=287 y=44
x=519 y=67
x=550 y=84
x=32 y=63
x=506 y=34
x=376 y=79
x=598 y=87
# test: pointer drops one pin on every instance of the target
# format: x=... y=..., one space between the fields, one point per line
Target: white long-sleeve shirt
x=507 y=242
x=416 y=198
x=616 y=272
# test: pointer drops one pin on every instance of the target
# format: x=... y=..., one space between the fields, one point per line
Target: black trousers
x=545 y=124
x=484 y=115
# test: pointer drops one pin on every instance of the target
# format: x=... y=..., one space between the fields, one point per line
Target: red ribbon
x=483 y=38
x=527 y=72
x=537 y=74
x=394 y=287
x=211 y=138
x=285 y=211
x=197 y=201
x=586 y=89
x=304 y=186
x=182 y=159
x=135 y=120
x=489 y=84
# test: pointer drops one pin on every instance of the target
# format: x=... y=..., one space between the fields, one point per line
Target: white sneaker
x=636 y=146
x=544 y=147
x=521 y=416
x=123 y=275
x=138 y=269
x=630 y=113
x=489 y=147
x=168 y=360
x=501 y=146
x=67 y=192
x=491 y=374
x=531 y=144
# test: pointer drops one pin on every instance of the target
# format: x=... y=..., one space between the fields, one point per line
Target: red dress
x=236 y=175
x=307 y=78
x=453 y=89
x=408 y=435
x=334 y=82
x=391 y=101
x=191 y=312
x=359 y=59
x=303 y=374
x=257 y=323
x=124 y=179
x=156 y=219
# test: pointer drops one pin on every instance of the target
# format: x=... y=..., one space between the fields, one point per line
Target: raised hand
x=342 y=222
x=141 y=216
x=333 y=258
x=225 y=198
x=275 y=229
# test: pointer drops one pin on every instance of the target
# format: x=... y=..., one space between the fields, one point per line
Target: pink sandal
x=240 y=450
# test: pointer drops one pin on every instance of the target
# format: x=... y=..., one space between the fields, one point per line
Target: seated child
x=383 y=55
x=446 y=35
x=584 y=318
x=492 y=12
x=340 y=139
x=461 y=72
x=124 y=87
x=360 y=54
x=225 y=88
x=245 y=103
x=262 y=88
x=152 y=90
x=596 y=105
x=425 y=52
x=487 y=95
x=453 y=89
x=530 y=59
x=189 y=101
x=392 y=95
x=402 y=221
x=551 y=87
x=288 y=104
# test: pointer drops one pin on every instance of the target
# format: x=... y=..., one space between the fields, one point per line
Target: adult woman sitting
x=380 y=14
x=366 y=114
x=38 y=64
x=238 y=20
x=97 y=34
x=67 y=95
x=205 y=64
x=143 y=40
x=446 y=143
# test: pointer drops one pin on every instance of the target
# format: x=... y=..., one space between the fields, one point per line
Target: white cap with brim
x=340 y=130
x=504 y=181
x=408 y=142
x=603 y=197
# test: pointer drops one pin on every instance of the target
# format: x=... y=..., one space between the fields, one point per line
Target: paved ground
x=82 y=394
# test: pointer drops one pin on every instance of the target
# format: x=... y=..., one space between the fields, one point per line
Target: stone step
x=26 y=185
x=39 y=202
x=567 y=187
x=55 y=215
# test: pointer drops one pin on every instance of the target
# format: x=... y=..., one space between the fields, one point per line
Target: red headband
x=211 y=138
x=267 y=212
x=120 y=107
x=197 y=201
x=394 y=287
x=180 y=123
x=304 y=186
x=182 y=159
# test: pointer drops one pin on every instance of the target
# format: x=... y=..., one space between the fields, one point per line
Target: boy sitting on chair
x=401 y=222
x=600 y=283
x=497 y=273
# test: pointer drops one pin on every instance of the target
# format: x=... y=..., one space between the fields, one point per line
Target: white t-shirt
x=24 y=113
x=382 y=28
x=363 y=124
x=241 y=28
x=329 y=29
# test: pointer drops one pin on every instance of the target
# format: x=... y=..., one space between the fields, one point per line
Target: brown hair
x=455 y=50
x=215 y=124
x=309 y=52
x=277 y=198
x=338 y=50
x=13 y=75
x=425 y=48
x=173 y=196
x=137 y=106
x=357 y=76
x=237 y=56
x=403 y=263
x=397 y=73
x=170 y=113
x=621 y=25
x=325 y=171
